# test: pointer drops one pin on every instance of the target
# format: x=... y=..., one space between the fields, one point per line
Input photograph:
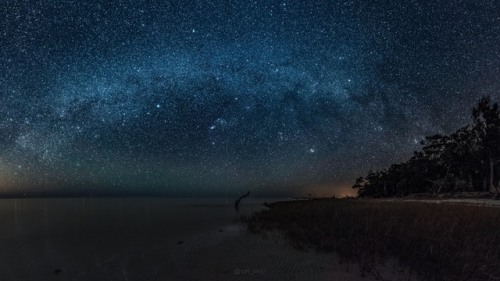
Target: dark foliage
x=465 y=161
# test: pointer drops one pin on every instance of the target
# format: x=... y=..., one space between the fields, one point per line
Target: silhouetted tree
x=487 y=124
x=467 y=160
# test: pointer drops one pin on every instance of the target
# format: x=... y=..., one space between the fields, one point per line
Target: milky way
x=216 y=97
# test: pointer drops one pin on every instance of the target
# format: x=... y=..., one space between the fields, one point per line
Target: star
x=136 y=89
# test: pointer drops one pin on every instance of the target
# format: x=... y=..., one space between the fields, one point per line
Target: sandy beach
x=154 y=239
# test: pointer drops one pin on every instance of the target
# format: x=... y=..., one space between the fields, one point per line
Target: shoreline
x=144 y=240
x=463 y=201
x=439 y=241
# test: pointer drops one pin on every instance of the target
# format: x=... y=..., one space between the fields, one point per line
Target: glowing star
x=312 y=150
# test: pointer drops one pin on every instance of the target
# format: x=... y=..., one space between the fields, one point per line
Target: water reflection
x=48 y=232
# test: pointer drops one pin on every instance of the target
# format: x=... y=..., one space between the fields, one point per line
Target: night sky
x=217 y=97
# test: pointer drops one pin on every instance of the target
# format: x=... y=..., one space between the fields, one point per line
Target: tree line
x=467 y=160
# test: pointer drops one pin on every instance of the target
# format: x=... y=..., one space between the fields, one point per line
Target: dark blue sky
x=216 y=97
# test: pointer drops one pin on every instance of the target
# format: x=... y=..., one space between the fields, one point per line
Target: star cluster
x=215 y=97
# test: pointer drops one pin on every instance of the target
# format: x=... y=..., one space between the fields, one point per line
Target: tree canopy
x=466 y=160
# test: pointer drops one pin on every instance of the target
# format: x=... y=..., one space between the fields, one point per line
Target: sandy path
x=480 y=202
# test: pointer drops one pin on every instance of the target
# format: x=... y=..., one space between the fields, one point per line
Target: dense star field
x=216 y=97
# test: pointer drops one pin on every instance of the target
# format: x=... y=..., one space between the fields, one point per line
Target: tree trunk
x=439 y=189
x=492 y=175
x=493 y=185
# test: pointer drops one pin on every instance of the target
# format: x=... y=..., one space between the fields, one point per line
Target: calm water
x=39 y=234
x=27 y=217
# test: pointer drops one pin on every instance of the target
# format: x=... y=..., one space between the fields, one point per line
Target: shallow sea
x=39 y=235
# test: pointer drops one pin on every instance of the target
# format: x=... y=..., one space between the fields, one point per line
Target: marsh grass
x=437 y=241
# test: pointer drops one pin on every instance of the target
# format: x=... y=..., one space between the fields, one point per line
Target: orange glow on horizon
x=329 y=190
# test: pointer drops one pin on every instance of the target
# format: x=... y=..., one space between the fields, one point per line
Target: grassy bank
x=437 y=241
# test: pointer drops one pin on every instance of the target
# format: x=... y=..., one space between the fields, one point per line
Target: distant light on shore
x=329 y=190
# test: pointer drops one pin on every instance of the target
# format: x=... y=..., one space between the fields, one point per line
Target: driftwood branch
x=237 y=202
